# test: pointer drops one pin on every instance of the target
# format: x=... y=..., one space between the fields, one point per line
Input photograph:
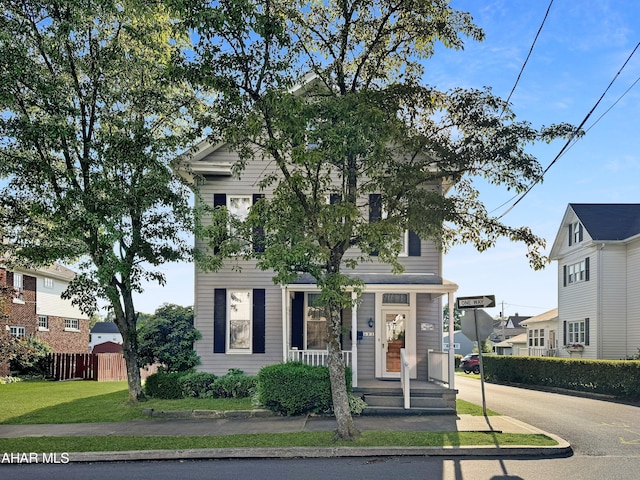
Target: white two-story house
x=247 y=321
x=598 y=253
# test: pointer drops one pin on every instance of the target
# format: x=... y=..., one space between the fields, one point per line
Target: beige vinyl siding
x=632 y=340
x=613 y=290
x=428 y=311
x=366 y=348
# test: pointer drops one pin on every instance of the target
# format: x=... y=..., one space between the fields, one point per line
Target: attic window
x=575 y=233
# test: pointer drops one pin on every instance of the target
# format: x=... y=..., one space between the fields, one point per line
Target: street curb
x=562 y=449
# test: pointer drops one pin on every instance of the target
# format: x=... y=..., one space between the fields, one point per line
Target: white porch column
x=452 y=352
x=354 y=340
x=285 y=324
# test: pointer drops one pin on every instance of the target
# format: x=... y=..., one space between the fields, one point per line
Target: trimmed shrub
x=164 y=385
x=197 y=384
x=234 y=384
x=620 y=378
x=295 y=388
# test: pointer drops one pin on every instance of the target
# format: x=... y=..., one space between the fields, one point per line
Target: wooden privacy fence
x=102 y=367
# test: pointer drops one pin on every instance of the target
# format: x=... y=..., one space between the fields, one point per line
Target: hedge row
x=620 y=378
x=199 y=385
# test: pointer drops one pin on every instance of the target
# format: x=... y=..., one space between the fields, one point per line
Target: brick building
x=37 y=309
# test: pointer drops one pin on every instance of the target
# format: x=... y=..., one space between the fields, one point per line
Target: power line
x=572 y=138
x=528 y=55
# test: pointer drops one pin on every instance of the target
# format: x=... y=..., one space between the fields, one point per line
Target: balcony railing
x=316 y=357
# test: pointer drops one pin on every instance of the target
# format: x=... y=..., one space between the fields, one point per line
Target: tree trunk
x=346 y=426
x=126 y=320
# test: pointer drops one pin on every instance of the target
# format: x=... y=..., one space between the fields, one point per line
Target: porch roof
x=423 y=282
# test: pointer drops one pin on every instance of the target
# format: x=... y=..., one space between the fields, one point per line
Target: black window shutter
x=334 y=198
x=219 y=320
x=580 y=237
x=219 y=200
x=586 y=269
x=375 y=211
x=414 y=244
x=570 y=234
x=564 y=333
x=586 y=331
x=297 y=320
x=258 y=232
x=259 y=320
x=564 y=276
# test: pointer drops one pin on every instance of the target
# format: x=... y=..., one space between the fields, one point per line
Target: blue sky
x=579 y=51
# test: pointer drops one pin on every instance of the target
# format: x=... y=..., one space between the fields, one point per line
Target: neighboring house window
x=576 y=272
x=71 y=324
x=48 y=282
x=575 y=233
x=536 y=337
x=316 y=324
x=43 y=322
x=18 y=332
x=576 y=332
x=239 y=322
x=18 y=281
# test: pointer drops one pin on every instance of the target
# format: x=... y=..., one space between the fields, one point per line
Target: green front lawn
x=87 y=401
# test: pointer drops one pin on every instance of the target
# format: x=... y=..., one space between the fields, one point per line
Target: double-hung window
x=316 y=324
x=240 y=322
x=536 y=337
x=18 y=281
x=72 y=324
x=238 y=207
x=43 y=322
x=576 y=272
x=18 y=332
x=576 y=332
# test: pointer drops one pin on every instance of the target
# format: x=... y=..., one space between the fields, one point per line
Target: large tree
x=90 y=116
x=333 y=95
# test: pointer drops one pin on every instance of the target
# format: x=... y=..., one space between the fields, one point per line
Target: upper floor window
x=18 y=281
x=18 y=332
x=575 y=233
x=576 y=272
x=238 y=207
x=71 y=324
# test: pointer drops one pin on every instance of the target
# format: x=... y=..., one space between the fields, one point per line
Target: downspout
x=285 y=322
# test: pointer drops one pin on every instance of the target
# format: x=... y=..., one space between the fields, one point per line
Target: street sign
x=476 y=324
x=483 y=301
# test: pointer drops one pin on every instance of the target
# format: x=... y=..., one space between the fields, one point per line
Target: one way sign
x=483 y=301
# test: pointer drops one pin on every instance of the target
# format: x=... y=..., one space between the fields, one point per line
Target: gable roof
x=609 y=221
x=543 y=317
x=514 y=321
x=105 y=327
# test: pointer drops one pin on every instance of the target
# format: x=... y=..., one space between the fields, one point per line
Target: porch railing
x=316 y=357
x=542 y=352
x=405 y=380
x=438 y=366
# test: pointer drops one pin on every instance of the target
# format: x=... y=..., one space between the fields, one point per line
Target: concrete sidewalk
x=248 y=423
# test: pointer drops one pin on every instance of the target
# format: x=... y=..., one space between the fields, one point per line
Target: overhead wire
x=572 y=137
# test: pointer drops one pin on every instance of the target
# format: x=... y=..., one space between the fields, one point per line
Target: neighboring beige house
x=598 y=253
x=543 y=334
x=513 y=346
x=247 y=322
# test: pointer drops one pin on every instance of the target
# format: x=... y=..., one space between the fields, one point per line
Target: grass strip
x=279 y=440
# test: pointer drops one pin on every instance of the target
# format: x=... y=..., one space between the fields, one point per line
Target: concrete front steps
x=389 y=400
